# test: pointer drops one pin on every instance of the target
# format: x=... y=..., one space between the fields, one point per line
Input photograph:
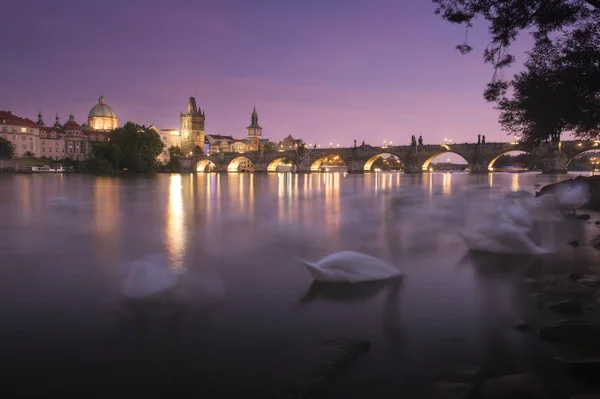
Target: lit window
x=23 y=130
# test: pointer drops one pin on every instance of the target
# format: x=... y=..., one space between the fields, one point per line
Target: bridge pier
x=554 y=162
x=412 y=169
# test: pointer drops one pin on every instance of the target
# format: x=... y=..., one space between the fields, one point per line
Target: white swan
x=350 y=267
x=513 y=212
x=572 y=196
x=148 y=277
x=502 y=237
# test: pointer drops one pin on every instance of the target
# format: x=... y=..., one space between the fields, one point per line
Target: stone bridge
x=415 y=159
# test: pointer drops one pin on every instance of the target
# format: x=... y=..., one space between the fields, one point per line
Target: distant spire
x=57 y=119
x=254 y=121
x=40 y=121
x=102 y=100
x=71 y=117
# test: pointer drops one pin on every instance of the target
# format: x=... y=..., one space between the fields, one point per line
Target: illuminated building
x=102 y=117
x=192 y=129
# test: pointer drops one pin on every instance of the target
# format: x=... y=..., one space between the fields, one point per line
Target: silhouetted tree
x=560 y=88
x=7 y=150
x=175 y=156
x=269 y=146
x=128 y=148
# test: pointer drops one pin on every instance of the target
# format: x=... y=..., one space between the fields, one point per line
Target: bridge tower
x=192 y=129
x=254 y=130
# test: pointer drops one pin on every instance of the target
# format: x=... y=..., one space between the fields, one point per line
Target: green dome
x=102 y=110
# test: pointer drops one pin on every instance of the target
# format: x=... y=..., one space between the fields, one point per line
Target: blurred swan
x=572 y=196
x=513 y=212
x=148 y=277
x=502 y=237
x=66 y=203
x=350 y=267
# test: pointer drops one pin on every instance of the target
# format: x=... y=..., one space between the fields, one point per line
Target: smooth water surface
x=235 y=238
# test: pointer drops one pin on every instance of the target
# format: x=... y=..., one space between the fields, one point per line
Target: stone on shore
x=306 y=373
x=450 y=390
x=593 y=183
x=569 y=306
x=580 y=365
x=514 y=386
x=579 y=333
x=520 y=324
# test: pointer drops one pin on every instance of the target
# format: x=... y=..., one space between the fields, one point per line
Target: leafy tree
x=129 y=147
x=175 y=156
x=7 y=150
x=140 y=147
x=269 y=146
x=562 y=69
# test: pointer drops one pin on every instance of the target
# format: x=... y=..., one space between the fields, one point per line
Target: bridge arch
x=369 y=164
x=279 y=161
x=427 y=162
x=241 y=164
x=205 y=165
x=490 y=165
x=581 y=153
x=330 y=160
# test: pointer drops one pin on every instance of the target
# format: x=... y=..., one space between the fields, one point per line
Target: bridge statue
x=420 y=140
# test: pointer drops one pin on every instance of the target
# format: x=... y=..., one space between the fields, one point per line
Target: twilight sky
x=322 y=70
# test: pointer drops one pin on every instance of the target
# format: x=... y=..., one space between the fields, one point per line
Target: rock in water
x=309 y=373
x=568 y=306
x=514 y=386
x=450 y=390
x=580 y=333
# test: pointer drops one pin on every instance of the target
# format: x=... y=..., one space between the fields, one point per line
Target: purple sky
x=324 y=70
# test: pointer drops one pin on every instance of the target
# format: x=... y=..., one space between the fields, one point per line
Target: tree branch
x=593 y=3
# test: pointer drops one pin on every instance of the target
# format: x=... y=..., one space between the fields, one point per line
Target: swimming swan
x=147 y=277
x=350 y=267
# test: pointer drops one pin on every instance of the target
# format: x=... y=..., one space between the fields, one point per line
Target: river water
x=235 y=238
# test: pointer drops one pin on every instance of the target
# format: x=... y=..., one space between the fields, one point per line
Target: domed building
x=102 y=117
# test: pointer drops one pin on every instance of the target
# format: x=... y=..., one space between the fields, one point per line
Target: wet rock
x=596 y=242
x=597 y=222
x=575 y=276
x=593 y=183
x=530 y=281
x=585 y=279
x=450 y=390
x=571 y=321
x=582 y=333
x=584 y=216
x=309 y=374
x=582 y=366
x=520 y=324
x=514 y=386
x=568 y=306
x=574 y=243
x=570 y=289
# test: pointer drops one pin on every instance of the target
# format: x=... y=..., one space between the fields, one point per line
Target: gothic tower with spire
x=254 y=130
x=192 y=128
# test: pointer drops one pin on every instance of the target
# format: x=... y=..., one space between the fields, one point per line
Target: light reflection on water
x=243 y=230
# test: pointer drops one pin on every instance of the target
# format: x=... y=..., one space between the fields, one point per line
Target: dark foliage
x=7 y=150
x=129 y=148
x=559 y=89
